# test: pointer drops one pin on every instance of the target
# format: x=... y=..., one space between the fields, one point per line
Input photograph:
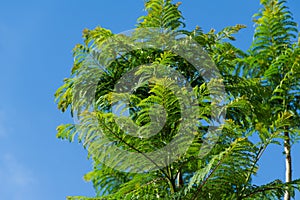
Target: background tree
x=274 y=57
x=251 y=86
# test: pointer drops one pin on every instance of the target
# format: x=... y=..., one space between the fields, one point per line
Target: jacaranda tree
x=168 y=113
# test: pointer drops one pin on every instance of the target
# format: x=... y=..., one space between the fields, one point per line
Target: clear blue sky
x=36 y=39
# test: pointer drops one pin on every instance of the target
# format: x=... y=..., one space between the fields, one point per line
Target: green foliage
x=274 y=33
x=161 y=14
x=275 y=57
x=262 y=97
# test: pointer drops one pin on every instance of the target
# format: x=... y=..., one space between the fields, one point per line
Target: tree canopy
x=169 y=113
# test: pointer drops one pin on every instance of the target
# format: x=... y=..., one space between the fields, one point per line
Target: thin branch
x=203 y=183
x=137 y=150
x=260 y=191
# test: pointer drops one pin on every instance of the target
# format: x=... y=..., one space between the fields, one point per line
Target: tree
x=171 y=101
x=274 y=56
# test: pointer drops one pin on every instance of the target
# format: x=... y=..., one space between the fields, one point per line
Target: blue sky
x=36 y=39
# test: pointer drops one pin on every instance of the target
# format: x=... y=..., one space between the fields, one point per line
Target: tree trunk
x=179 y=179
x=288 y=163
